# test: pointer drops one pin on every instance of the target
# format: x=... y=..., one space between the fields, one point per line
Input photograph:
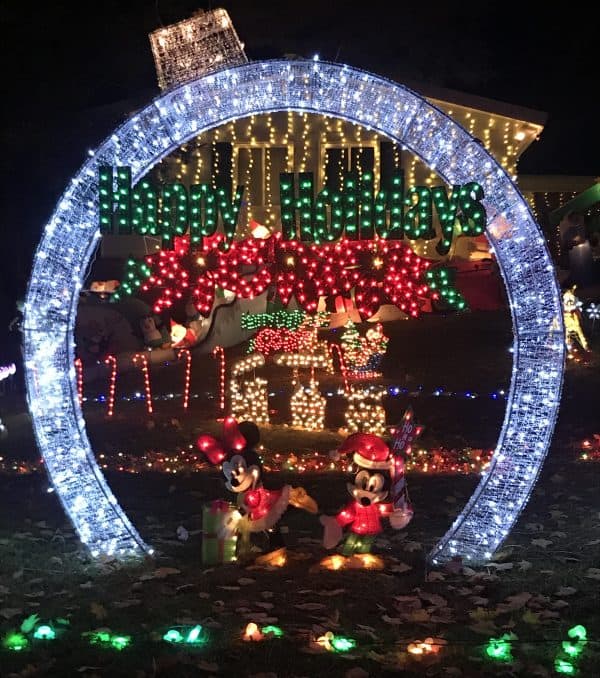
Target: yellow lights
x=335 y=562
x=290 y=261
x=365 y=413
x=419 y=648
x=195 y=46
x=519 y=136
x=276 y=558
x=377 y=262
x=261 y=232
x=252 y=633
x=249 y=398
x=320 y=361
x=573 y=329
x=201 y=261
x=358 y=561
x=308 y=407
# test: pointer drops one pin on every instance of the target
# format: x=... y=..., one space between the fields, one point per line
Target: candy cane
x=219 y=350
x=140 y=357
x=79 y=369
x=188 y=370
x=335 y=348
x=112 y=384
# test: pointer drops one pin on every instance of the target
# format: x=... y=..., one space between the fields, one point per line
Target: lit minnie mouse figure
x=380 y=477
x=259 y=509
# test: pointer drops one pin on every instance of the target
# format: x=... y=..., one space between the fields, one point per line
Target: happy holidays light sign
x=356 y=212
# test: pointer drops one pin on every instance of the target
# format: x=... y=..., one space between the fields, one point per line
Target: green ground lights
x=185 y=635
x=15 y=642
x=565 y=661
x=500 y=649
x=44 y=632
x=107 y=639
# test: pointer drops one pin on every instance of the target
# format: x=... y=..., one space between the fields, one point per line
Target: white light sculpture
x=194 y=47
x=72 y=234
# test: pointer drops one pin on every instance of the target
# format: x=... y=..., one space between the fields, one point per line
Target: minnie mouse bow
x=217 y=449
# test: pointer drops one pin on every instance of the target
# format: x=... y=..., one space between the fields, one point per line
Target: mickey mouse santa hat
x=370 y=451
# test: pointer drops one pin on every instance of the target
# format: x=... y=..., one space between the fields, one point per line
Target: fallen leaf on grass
x=35 y=594
x=432 y=598
x=542 y=543
x=478 y=601
x=85 y=669
x=400 y=568
x=246 y=581
x=481 y=614
x=592 y=573
x=229 y=588
x=411 y=546
x=333 y=592
x=524 y=565
x=163 y=572
x=265 y=606
x=435 y=576
x=356 y=672
x=206 y=666
x=122 y=604
x=9 y=612
x=501 y=566
x=310 y=607
x=515 y=602
x=484 y=628
x=407 y=603
x=185 y=588
x=99 y=611
x=560 y=604
x=530 y=617
x=392 y=620
x=418 y=616
x=566 y=591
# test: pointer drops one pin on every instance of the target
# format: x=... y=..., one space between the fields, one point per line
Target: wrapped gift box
x=216 y=550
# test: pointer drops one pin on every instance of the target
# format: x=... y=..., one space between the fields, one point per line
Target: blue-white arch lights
x=71 y=235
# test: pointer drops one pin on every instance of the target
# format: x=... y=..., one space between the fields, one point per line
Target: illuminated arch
x=72 y=234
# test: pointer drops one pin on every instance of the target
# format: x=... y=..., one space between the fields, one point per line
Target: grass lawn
x=544 y=581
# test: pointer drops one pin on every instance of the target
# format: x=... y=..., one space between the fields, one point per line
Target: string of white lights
x=179 y=115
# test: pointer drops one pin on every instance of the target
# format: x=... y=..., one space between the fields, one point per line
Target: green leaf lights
x=44 y=632
x=290 y=320
x=440 y=281
x=500 y=649
x=15 y=642
x=185 y=635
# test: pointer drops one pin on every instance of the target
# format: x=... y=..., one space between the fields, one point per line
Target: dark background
x=72 y=71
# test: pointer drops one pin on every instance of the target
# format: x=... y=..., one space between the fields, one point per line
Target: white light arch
x=72 y=233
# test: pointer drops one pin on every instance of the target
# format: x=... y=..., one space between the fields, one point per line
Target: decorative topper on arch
x=72 y=233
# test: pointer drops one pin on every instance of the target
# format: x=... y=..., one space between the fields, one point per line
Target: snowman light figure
x=380 y=478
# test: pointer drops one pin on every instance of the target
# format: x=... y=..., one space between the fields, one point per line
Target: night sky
x=72 y=71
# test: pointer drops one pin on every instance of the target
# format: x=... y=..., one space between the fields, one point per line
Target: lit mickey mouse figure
x=258 y=509
x=380 y=477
